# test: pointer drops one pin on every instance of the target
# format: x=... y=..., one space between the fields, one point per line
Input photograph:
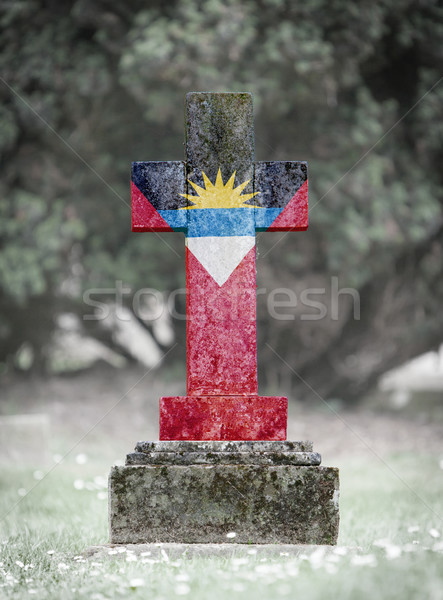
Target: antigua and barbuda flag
x=220 y=219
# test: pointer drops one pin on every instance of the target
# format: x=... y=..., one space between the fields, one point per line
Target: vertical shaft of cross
x=221 y=320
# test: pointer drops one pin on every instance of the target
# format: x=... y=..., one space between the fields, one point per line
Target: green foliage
x=333 y=83
x=37 y=238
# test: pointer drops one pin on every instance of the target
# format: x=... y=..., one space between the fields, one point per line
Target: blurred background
x=88 y=87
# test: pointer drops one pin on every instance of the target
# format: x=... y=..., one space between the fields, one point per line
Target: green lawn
x=389 y=543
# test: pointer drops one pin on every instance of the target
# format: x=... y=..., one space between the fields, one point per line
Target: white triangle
x=220 y=255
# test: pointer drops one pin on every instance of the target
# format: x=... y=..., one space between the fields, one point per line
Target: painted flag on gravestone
x=219 y=219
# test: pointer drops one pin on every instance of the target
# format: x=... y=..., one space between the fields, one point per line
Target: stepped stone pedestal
x=265 y=492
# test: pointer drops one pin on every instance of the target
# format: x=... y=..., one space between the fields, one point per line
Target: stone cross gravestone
x=222 y=463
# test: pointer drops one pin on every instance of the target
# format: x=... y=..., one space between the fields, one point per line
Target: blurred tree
x=329 y=80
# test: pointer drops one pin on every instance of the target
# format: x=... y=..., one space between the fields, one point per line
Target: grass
x=385 y=547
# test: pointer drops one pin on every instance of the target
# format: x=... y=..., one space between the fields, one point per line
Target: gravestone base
x=264 y=492
x=223 y=417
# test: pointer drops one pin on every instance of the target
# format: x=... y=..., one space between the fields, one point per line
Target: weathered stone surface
x=278 y=181
x=175 y=551
x=221 y=452
x=223 y=417
x=161 y=182
x=202 y=504
x=282 y=204
x=223 y=446
x=224 y=458
x=221 y=334
x=219 y=134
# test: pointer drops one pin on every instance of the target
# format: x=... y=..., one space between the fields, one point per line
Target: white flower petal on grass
x=231 y=535
x=413 y=528
x=182 y=589
x=149 y=561
x=182 y=577
x=340 y=550
x=57 y=458
x=79 y=557
x=50 y=552
x=31 y=591
x=365 y=560
x=21 y=492
x=392 y=552
x=38 y=475
x=131 y=558
x=434 y=533
x=112 y=551
x=81 y=459
x=102 y=495
x=62 y=566
x=437 y=547
x=79 y=484
x=164 y=555
x=252 y=551
x=145 y=553
x=137 y=582
x=317 y=557
x=121 y=550
x=19 y=564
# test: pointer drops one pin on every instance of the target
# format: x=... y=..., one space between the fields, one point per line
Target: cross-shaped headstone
x=219 y=197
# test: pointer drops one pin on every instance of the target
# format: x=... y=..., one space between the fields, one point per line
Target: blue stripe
x=176 y=219
x=264 y=217
x=220 y=222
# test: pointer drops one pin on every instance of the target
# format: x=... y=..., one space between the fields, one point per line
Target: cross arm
x=282 y=202
x=155 y=196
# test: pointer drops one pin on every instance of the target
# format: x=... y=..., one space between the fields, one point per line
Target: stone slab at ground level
x=163 y=552
x=261 y=504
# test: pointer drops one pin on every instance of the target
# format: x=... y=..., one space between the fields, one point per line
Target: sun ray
x=218 y=195
x=219 y=180
x=230 y=183
x=208 y=183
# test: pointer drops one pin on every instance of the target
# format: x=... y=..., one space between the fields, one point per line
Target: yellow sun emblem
x=219 y=195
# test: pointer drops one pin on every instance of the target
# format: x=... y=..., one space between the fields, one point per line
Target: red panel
x=294 y=217
x=223 y=418
x=221 y=330
x=144 y=215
